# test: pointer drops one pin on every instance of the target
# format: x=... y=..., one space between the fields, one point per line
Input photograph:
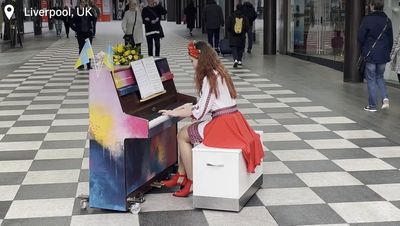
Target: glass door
x=316 y=28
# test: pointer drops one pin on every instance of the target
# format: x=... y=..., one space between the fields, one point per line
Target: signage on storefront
x=44 y=5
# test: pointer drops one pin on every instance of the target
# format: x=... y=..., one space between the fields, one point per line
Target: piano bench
x=221 y=180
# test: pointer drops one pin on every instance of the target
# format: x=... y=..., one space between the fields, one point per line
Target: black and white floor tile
x=320 y=168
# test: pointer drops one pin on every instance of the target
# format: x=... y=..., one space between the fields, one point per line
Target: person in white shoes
x=238 y=25
x=376 y=37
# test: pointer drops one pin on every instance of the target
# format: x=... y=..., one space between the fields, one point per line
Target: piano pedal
x=137 y=199
x=156 y=184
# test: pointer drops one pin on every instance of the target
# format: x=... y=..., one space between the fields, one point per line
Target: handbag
x=130 y=39
x=362 y=61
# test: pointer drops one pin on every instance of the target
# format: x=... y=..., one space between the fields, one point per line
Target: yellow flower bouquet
x=124 y=54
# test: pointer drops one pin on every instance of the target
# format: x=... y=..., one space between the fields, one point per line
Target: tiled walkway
x=321 y=167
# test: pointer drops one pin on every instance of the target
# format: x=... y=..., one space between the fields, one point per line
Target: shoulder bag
x=362 y=61
x=130 y=39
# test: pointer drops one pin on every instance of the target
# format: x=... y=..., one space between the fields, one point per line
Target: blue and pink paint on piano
x=109 y=129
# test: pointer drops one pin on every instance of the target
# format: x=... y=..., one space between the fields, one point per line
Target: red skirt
x=231 y=130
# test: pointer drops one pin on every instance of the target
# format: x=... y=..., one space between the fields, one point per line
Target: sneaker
x=235 y=65
x=370 y=109
x=240 y=63
x=249 y=51
x=81 y=68
x=385 y=104
x=217 y=50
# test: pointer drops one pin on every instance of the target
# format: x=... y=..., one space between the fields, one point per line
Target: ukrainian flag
x=108 y=59
x=86 y=54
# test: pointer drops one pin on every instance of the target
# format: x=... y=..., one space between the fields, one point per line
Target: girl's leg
x=185 y=150
x=181 y=168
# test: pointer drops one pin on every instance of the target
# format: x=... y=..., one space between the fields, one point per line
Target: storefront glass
x=316 y=28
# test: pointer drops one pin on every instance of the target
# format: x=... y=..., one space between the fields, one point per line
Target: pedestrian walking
x=394 y=56
x=58 y=21
x=251 y=15
x=190 y=16
x=132 y=25
x=151 y=15
x=67 y=21
x=96 y=13
x=376 y=37
x=83 y=26
x=213 y=18
x=238 y=25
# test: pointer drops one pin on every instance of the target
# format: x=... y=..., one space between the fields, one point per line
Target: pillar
x=269 y=39
x=355 y=11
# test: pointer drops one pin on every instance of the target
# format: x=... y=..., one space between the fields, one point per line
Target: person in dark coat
x=251 y=14
x=237 y=27
x=96 y=13
x=151 y=16
x=66 y=20
x=372 y=26
x=213 y=18
x=190 y=15
x=83 y=26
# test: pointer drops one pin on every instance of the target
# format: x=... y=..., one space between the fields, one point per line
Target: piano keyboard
x=162 y=118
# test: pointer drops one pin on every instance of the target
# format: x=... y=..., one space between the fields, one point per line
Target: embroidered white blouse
x=208 y=102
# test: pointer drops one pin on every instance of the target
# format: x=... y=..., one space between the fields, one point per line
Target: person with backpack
x=237 y=27
x=251 y=14
x=376 y=38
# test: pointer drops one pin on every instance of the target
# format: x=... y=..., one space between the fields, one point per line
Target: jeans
x=237 y=52
x=213 y=37
x=374 y=75
x=58 y=24
x=156 y=39
x=250 y=38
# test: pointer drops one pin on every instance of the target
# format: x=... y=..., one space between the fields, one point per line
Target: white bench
x=221 y=180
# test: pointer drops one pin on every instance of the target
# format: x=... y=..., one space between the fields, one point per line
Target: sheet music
x=147 y=77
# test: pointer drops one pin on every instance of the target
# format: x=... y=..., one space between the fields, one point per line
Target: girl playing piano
x=227 y=128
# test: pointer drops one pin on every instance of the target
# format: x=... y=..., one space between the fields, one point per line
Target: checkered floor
x=321 y=168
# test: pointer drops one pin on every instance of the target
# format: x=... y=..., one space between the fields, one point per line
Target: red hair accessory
x=193 y=51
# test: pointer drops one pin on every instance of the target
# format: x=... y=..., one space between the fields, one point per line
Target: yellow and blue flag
x=86 y=54
x=108 y=59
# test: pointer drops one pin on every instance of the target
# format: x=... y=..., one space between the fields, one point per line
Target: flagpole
x=94 y=59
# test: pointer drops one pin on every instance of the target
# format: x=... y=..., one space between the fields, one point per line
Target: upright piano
x=131 y=144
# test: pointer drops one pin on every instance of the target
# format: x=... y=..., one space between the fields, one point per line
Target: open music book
x=147 y=78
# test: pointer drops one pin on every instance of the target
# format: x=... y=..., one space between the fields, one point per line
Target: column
x=269 y=27
x=355 y=11
x=37 y=20
x=171 y=8
x=178 y=11
x=229 y=8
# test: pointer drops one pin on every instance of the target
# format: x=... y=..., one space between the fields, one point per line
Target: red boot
x=177 y=179
x=186 y=190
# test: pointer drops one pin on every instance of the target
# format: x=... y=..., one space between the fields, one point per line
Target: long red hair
x=208 y=62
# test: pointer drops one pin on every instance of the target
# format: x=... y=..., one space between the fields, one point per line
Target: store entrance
x=317 y=28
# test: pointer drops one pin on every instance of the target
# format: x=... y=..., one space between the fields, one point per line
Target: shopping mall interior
x=326 y=160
